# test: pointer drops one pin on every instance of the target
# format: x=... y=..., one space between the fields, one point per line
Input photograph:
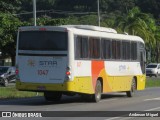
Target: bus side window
x=94 y=47
x=113 y=49
x=126 y=50
x=106 y=49
x=118 y=49
x=81 y=47
x=78 y=47
x=133 y=50
x=84 y=49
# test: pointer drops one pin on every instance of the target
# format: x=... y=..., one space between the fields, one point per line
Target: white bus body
x=68 y=59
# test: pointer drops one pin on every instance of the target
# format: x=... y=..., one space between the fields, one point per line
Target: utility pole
x=99 y=20
x=34 y=12
x=35 y=23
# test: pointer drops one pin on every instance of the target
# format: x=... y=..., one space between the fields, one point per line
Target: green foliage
x=137 y=23
x=76 y=5
x=137 y=17
x=8 y=34
x=9 y=5
x=89 y=20
x=8 y=25
x=150 y=6
x=52 y=22
x=152 y=82
x=11 y=92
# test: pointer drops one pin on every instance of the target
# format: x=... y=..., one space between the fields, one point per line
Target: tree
x=8 y=34
x=149 y=6
x=45 y=20
x=157 y=37
x=143 y=25
x=120 y=6
x=10 y=6
x=76 y=5
x=137 y=23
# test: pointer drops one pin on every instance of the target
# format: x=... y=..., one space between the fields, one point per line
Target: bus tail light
x=17 y=73
x=68 y=73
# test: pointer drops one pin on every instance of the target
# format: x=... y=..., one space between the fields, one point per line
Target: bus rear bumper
x=77 y=86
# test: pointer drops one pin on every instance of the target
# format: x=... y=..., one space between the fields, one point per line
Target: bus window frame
x=102 y=48
x=95 y=41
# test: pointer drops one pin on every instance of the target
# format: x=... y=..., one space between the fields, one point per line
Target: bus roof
x=82 y=29
x=91 y=27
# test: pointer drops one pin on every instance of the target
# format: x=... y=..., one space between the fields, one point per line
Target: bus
x=79 y=59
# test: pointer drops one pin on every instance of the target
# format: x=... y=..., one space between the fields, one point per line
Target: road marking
x=152 y=99
x=119 y=118
x=113 y=118
x=152 y=109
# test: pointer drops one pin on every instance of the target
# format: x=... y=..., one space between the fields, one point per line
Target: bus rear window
x=43 y=40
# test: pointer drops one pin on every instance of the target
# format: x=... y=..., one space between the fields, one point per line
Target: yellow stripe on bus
x=84 y=84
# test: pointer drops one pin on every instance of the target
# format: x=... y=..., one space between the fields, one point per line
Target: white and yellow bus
x=82 y=59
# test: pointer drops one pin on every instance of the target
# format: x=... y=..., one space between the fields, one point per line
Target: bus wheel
x=131 y=93
x=98 y=91
x=52 y=96
x=94 y=97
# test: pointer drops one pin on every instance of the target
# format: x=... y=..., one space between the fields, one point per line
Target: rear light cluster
x=68 y=73
x=17 y=73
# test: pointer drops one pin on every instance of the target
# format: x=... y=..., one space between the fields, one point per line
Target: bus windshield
x=43 y=40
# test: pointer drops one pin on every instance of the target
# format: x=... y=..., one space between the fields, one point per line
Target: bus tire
x=132 y=91
x=98 y=92
x=94 y=97
x=52 y=96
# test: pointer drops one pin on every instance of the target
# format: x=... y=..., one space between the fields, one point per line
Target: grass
x=12 y=92
x=150 y=82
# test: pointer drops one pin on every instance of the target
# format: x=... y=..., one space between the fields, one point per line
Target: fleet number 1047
x=42 y=72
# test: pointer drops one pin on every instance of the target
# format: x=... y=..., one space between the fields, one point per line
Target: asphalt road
x=146 y=100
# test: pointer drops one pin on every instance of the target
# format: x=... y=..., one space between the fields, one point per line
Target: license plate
x=41 y=88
